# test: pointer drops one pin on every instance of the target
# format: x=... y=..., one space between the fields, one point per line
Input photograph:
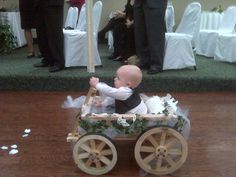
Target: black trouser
x=50 y=34
x=150 y=34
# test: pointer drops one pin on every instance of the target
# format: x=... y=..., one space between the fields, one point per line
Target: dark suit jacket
x=49 y=2
x=152 y=3
x=55 y=2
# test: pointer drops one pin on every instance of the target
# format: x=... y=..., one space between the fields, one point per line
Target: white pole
x=90 y=40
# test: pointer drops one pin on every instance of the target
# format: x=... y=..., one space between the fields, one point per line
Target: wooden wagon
x=160 y=146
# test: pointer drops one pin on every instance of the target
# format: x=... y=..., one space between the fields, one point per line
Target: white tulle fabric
x=179 y=45
x=75 y=41
x=207 y=38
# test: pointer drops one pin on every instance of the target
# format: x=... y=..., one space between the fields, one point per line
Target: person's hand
x=129 y=22
x=94 y=81
x=119 y=14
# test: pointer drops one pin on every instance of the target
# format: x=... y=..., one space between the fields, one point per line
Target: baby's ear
x=129 y=84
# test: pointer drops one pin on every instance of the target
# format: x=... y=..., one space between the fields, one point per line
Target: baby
x=124 y=94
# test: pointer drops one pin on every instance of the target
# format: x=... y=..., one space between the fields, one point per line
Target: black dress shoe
x=143 y=66
x=41 y=64
x=154 y=69
x=119 y=58
x=55 y=68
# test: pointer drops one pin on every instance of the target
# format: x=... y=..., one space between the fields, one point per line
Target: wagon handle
x=92 y=91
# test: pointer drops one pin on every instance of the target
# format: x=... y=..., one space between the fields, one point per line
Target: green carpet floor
x=17 y=73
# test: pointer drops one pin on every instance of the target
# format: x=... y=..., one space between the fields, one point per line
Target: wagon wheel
x=95 y=154
x=161 y=150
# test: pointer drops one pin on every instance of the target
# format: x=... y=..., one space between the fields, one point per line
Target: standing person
x=27 y=17
x=149 y=24
x=50 y=34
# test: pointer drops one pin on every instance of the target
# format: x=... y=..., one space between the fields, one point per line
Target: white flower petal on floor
x=27 y=130
x=14 y=146
x=4 y=147
x=13 y=151
x=25 y=135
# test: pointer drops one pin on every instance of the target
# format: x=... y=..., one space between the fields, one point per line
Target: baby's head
x=128 y=76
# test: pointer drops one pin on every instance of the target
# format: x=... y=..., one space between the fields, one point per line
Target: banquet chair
x=179 y=45
x=81 y=25
x=75 y=41
x=72 y=17
x=170 y=18
x=207 y=38
x=225 y=48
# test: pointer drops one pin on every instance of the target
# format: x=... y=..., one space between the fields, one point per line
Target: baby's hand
x=93 y=81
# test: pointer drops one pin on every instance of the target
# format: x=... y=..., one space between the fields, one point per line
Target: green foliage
x=217 y=9
x=134 y=128
x=8 y=41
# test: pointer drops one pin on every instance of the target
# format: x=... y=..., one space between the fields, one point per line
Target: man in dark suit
x=149 y=23
x=50 y=34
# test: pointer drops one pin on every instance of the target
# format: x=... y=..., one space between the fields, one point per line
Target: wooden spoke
x=98 y=165
x=159 y=163
x=147 y=149
x=83 y=155
x=164 y=151
x=153 y=141
x=172 y=142
x=105 y=160
x=101 y=146
x=92 y=144
x=94 y=161
x=88 y=163
x=170 y=161
x=85 y=147
x=174 y=152
x=149 y=158
x=163 y=139
x=106 y=152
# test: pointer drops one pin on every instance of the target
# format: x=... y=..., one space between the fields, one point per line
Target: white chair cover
x=207 y=38
x=190 y=22
x=179 y=49
x=225 y=48
x=13 y=19
x=75 y=42
x=170 y=18
x=81 y=25
x=72 y=17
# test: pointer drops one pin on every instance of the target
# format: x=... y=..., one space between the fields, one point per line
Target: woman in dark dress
x=123 y=32
x=27 y=23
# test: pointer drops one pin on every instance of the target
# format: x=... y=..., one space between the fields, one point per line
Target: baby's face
x=120 y=79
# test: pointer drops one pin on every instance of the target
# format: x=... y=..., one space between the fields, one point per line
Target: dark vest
x=123 y=106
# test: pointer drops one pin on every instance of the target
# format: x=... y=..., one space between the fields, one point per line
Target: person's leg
x=110 y=26
x=54 y=26
x=29 y=40
x=42 y=38
x=140 y=32
x=118 y=37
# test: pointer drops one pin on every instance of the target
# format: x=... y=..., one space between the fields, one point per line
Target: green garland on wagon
x=134 y=128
